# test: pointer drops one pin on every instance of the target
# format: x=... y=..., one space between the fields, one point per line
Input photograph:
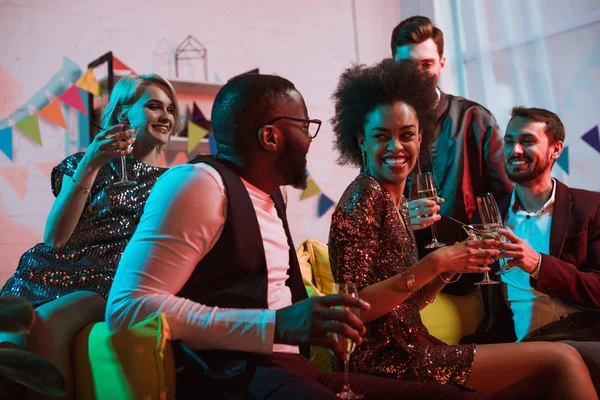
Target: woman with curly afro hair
x=381 y=115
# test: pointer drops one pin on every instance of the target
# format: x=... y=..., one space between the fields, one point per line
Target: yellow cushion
x=313 y=257
x=449 y=318
x=136 y=363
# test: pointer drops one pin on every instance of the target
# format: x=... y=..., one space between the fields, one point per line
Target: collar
x=515 y=203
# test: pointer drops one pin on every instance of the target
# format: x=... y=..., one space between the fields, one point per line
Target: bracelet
x=535 y=273
x=450 y=280
x=425 y=297
x=87 y=189
x=411 y=285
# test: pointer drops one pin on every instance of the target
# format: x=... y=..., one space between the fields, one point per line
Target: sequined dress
x=367 y=244
x=90 y=257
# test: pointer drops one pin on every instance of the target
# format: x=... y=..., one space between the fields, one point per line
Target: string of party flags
x=52 y=111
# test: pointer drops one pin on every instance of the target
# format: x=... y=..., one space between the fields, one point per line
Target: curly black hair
x=363 y=88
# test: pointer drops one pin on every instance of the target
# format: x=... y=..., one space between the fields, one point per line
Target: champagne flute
x=426 y=190
x=124 y=181
x=349 y=346
x=481 y=232
x=490 y=213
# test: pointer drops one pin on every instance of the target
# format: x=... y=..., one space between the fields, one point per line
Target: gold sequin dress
x=367 y=244
x=90 y=257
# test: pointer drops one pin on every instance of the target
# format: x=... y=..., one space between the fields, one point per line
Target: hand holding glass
x=426 y=190
x=349 y=346
x=124 y=181
x=482 y=232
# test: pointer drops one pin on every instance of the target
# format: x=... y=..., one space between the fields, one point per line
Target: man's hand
x=421 y=213
x=310 y=321
x=519 y=253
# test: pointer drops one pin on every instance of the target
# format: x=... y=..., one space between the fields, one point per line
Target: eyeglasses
x=311 y=126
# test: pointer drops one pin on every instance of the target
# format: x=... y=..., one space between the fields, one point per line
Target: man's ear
x=268 y=138
x=442 y=63
x=556 y=150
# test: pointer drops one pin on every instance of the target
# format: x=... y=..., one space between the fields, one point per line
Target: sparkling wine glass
x=490 y=213
x=481 y=232
x=426 y=190
x=349 y=346
x=125 y=181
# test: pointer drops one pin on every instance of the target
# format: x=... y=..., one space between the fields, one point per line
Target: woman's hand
x=422 y=213
x=108 y=144
x=465 y=257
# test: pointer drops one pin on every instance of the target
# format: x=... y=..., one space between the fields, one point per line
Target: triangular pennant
x=46 y=167
x=212 y=144
x=563 y=160
x=119 y=66
x=6 y=142
x=311 y=190
x=89 y=83
x=197 y=115
x=180 y=158
x=592 y=137
x=325 y=203
x=195 y=135
x=31 y=127
x=53 y=113
x=17 y=178
x=72 y=97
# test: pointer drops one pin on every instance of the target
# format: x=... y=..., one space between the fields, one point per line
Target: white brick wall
x=309 y=42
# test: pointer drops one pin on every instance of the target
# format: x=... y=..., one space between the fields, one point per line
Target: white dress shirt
x=531 y=309
x=182 y=220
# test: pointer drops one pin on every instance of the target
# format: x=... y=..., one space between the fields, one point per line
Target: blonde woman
x=92 y=219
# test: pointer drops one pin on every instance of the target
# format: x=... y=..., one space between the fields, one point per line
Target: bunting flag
x=53 y=113
x=592 y=137
x=6 y=142
x=31 y=127
x=17 y=177
x=212 y=144
x=197 y=114
x=325 y=203
x=195 y=135
x=563 y=160
x=89 y=83
x=46 y=167
x=119 y=66
x=72 y=97
x=311 y=190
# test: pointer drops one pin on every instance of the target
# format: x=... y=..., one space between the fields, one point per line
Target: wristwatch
x=411 y=284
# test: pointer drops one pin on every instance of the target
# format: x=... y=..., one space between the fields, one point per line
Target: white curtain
x=536 y=53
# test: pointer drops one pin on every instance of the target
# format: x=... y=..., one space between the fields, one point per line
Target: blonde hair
x=128 y=90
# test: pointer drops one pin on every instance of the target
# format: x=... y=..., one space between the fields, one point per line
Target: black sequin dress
x=90 y=257
x=367 y=244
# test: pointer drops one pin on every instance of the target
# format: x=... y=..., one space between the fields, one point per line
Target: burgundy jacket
x=571 y=271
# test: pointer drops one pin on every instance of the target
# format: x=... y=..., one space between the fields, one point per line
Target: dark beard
x=292 y=166
x=523 y=177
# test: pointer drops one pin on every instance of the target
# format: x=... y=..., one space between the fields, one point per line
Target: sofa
x=138 y=363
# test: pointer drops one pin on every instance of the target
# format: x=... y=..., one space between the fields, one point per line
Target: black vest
x=233 y=274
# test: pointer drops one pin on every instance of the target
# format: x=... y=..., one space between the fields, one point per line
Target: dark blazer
x=571 y=271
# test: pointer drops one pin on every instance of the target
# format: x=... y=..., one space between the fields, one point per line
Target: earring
x=364 y=159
